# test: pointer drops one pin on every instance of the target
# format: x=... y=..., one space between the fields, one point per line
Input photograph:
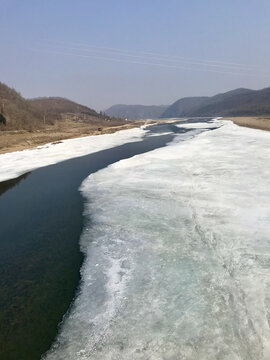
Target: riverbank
x=40 y=258
x=255 y=122
x=16 y=140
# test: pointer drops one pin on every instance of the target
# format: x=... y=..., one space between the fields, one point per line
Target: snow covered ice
x=177 y=254
x=19 y=162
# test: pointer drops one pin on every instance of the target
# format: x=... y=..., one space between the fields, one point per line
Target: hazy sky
x=103 y=52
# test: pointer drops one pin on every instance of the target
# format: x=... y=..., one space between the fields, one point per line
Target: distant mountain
x=183 y=107
x=239 y=102
x=135 y=112
x=59 y=105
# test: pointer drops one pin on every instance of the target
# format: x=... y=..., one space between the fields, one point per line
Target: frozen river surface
x=177 y=254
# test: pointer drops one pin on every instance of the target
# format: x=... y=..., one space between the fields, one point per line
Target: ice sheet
x=177 y=253
x=17 y=163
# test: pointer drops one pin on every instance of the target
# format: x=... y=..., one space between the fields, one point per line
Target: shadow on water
x=6 y=185
x=41 y=222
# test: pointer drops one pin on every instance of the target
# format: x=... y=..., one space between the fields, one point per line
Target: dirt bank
x=20 y=139
x=259 y=122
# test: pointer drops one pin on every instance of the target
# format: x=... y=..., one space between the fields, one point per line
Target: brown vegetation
x=28 y=123
x=259 y=122
x=16 y=111
x=15 y=140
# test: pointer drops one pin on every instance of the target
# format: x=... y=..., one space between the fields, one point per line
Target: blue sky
x=101 y=52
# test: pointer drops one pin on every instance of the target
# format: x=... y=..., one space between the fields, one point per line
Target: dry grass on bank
x=15 y=140
x=259 y=122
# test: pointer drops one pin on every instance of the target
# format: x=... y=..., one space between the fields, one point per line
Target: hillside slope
x=28 y=123
x=59 y=106
x=134 y=112
x=16 y=112
x=239 y=102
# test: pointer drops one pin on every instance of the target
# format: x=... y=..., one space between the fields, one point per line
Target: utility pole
x=3 y=106
x=44 y=116
x=3 y=119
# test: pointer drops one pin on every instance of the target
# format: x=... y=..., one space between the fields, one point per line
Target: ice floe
x=19 y=162
x=177 y=254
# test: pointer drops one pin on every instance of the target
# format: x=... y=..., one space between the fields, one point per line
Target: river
x=42 y=220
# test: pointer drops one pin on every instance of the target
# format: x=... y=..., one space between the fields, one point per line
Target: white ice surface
x=177 y=254
x=204 y=125
x=17 y=163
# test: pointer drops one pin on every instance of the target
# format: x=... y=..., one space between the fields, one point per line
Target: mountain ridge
x=238 y=102
x=135 y=112
x=60 y=105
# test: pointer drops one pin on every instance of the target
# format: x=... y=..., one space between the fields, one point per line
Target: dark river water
x=40 y=225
